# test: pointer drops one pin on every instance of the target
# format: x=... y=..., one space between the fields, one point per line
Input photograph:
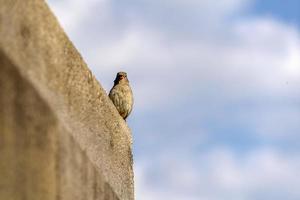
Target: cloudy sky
x=217 y=91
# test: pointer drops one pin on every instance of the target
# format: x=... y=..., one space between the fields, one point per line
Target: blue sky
x=216 y=85
x=287 y=11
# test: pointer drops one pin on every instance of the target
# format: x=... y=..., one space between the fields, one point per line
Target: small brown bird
x=121 y=95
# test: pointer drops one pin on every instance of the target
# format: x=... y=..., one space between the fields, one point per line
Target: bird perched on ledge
x=121 y=95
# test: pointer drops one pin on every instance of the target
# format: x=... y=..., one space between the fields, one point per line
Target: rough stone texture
x=60 y=136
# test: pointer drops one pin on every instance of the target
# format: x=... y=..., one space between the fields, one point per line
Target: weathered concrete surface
x=60 y=136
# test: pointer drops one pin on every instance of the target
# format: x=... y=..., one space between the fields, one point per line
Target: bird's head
x=121 y=78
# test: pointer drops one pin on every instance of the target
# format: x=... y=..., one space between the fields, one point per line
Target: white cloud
x=73 y=13
x=219 y=174
x=272 y=47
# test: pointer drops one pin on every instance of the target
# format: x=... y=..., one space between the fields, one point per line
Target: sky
x=216 y=86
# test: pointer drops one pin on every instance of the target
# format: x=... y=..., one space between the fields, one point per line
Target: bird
x=121 y=95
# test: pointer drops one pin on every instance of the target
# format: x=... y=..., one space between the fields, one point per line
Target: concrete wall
x=60 y=136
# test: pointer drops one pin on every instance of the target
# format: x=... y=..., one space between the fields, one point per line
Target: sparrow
x=121 y=95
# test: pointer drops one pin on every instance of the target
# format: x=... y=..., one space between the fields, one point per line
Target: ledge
x=37 y=56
